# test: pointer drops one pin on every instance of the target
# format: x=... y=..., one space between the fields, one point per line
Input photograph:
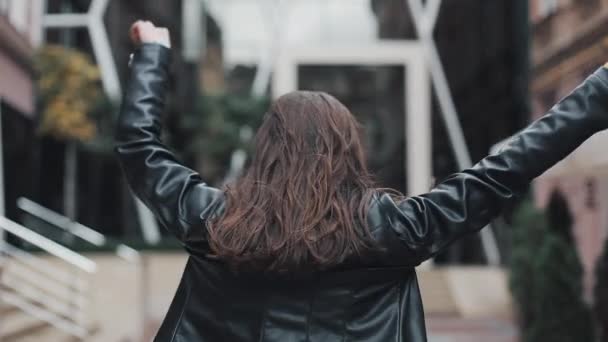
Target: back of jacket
x=375 y=298
x=375 y=304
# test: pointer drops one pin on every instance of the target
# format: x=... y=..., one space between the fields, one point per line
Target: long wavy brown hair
x=302 y=202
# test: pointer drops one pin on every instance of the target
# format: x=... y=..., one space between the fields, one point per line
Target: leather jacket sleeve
x=466 y=202
x=176 y=194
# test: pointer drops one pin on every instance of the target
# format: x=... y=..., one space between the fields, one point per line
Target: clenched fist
x=145 y=32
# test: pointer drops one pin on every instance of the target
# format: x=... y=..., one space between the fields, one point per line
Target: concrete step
x=18 y=325
x=436 y=293
x=6 y=309
x=466 y=291
x=454 y=329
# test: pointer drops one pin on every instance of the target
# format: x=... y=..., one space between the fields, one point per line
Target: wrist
x=149 y=50
x=160 y=42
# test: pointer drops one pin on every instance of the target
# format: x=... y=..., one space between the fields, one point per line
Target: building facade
x=569 y=41
x=20 y=32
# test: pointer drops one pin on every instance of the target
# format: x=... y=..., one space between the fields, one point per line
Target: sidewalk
x=452 y=329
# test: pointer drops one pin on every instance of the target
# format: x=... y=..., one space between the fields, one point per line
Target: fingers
x=164 y=37
x=144 y=31
x=134 y=33
x=141 y=30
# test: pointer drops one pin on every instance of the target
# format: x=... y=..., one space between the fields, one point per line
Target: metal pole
x=424 y=23
x=2 y=207
x=69 y=181
x=2 y=198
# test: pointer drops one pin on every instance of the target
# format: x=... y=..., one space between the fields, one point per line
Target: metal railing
x=91 y=236
x=43 y=289
x=75 y=228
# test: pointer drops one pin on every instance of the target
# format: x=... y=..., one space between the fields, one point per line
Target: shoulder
x=383 y=207
x=386 y=224
x=204 y=202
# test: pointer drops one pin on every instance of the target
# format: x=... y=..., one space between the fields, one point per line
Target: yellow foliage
x=69 y=89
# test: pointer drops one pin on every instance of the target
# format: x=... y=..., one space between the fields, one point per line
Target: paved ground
x=449 y=329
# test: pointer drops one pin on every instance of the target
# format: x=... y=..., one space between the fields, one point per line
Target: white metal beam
x=65 y=20
x=194 y=33
x=431 y=12
x=440 y=82
x=279 y=11
x=93 y=21
x=103 y=50
x=424 y=19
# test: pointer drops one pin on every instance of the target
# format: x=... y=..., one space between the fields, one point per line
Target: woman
x=303 y=247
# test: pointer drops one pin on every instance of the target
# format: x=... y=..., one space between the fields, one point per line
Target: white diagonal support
x=103 y=50
x=424 y=18
x=278 y=9
x=93 y=21
x=431 y=12
x=440 y=82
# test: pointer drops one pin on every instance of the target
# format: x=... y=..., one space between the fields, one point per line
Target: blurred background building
x=568 y=43
x=20 y=31
x=68 y=209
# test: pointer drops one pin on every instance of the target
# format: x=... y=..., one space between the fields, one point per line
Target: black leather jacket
x=378 y=300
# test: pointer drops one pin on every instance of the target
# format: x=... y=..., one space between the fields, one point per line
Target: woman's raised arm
x=466 y=202
x=175 y=193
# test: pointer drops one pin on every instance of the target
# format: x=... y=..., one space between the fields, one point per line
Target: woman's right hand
x=145 y=32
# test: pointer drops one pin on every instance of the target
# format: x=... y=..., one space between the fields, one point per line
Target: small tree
x=69 y=88
x=69 y=92
x=561 y=314
x=546 y=277
x=601 y=294
x=559 y=217
x=529 y=228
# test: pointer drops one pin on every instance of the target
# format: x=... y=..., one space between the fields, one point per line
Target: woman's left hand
x=145 y=32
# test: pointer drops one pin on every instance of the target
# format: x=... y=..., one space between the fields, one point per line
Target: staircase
x=47 y=289
x=40 y=298
x=16 y=326
x=436 y=293
x=466 y=291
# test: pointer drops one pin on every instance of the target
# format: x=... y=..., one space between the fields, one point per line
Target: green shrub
x=601 y=294
x=546 y=280
x=561 y=315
